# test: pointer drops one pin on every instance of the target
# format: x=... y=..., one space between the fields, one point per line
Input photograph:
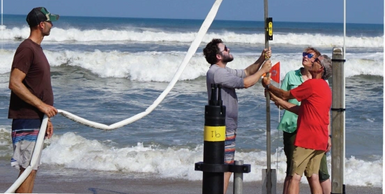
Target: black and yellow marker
x=269 y=28
x=213 y=165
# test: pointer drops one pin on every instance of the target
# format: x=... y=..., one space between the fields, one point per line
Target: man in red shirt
x=313 y=120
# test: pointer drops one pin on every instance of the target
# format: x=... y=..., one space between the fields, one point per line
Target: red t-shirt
x=313 y=117
x=30 y=59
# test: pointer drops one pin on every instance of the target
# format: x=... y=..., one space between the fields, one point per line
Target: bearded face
x=227 y=57
x=225 y=53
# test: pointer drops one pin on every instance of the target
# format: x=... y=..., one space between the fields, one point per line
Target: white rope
x=35 y=155
x=193 y=48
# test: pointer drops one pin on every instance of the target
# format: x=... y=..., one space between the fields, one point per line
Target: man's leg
x=227 y=176
x=315 y=186
x=294 y=184
x=27 y=185
x=326 y=186
x=288 y=147
x=24 y=136
x=324 y=176
x=304 y=160
x=229 y=155
x=312 y=170
x=286 y=184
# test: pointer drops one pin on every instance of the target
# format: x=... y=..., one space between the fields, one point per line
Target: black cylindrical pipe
x=214 y=142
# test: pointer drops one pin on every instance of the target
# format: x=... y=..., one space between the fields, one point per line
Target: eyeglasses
x=309 y=55
x=319 y=61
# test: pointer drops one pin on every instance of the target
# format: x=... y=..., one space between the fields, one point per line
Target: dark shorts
x=288 y=146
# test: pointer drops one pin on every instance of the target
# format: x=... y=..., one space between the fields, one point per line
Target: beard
x=46 y=33
x=227 y=58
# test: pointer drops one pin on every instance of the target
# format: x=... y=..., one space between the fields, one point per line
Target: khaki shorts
x=306 y=161
x=288 y=142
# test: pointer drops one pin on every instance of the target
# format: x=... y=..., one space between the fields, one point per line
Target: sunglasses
x=309 y=55
x=319 y=61
x=226 y=49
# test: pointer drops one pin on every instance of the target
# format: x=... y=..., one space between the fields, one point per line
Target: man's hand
x=266 y=54
x=49 y=131
x=266 y=81
x=50 y=111
x=329 y=146
x=266 y=66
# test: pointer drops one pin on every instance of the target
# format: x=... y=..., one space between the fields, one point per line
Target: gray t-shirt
x=230 y=79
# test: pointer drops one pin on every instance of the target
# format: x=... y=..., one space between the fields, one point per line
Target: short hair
x=211 y=50
x=317 y=53
x=326 y=62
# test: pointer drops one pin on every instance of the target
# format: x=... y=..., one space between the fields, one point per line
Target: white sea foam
x=76 y=36
x=161 y=66
x=73 y=151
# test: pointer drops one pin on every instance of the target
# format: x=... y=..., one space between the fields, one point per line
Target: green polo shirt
x=289 y=120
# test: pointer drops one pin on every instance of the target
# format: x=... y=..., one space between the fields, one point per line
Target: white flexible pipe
x=193 y=48
x=35 y=155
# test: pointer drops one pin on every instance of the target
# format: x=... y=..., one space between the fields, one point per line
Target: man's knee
x=295 y=178
x=313 y=178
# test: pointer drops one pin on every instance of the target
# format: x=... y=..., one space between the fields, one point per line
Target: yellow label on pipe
x=215 y=133
x=270 y=28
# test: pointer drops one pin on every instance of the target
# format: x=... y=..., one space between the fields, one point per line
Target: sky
x=357 y=11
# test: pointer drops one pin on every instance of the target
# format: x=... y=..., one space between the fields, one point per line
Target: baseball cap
x=40 y=14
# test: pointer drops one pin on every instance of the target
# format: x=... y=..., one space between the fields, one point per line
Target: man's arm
x=285 y=95
x=329 y=138
x=284 y=104
x=16 y=85
x=253 y=79
x=253 y=68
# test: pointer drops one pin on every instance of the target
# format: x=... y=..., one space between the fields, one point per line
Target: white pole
x=344 y=27
x=1 y=12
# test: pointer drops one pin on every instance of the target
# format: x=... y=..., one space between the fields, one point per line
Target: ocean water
x=109 y=69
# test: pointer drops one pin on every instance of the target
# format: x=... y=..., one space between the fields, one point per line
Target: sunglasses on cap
x=309 y=55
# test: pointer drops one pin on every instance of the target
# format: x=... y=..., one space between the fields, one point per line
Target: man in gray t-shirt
x=218 y=55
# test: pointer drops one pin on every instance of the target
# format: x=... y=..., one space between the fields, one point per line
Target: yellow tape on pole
x=214 y=133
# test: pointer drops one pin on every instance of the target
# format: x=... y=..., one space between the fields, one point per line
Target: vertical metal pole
x=268 y=185
x=238 y=179
x=338 y=121
x=1 y=12
x=344 y=27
